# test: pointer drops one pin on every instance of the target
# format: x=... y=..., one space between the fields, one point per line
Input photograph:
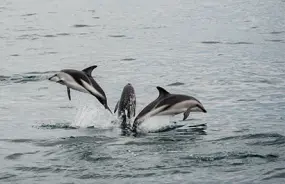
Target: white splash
x=90 y=115
x=155 y=123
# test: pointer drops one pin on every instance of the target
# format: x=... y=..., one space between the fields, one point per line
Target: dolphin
x=127 y=103
x=81 y=81
x=177 y=103
x=126 y=106
x=172 y=104
x=145 y=112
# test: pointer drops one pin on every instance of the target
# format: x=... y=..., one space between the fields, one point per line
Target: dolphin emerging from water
x=126 y=106
x=81 y=81
x=169 y=104
x=145 y=113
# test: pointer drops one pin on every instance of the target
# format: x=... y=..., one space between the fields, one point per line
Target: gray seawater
x=228 y=54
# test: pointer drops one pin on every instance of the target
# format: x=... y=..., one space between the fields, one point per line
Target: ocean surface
x=229 y=54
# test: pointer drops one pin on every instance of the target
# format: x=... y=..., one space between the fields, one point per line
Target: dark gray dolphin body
x=171 y=104
x=81 y=81
x=176 y=104
x=144 y=113
x=126 y=106
x=103 y=100
x=127 y=103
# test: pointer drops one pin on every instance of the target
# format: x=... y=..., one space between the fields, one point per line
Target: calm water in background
x=229 y=54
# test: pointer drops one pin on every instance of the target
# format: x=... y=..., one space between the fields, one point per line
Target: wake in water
x=155 y=123
x=92 y=116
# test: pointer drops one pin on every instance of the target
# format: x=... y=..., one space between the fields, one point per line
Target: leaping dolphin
x=126 y=106
x=81 y=81
x=145 y=113
x=171 y=104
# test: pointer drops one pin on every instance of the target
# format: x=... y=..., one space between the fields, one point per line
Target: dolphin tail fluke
x=106 y=107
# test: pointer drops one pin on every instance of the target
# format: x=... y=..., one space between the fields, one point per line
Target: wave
x=15 y=156
x=228 y=155
x=252 y=136
x=26 y=77
x=275 y=173
x=261 y=139
x=230 y=43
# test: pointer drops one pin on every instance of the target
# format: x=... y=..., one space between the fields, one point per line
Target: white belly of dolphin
x=71 y=83
x=92 y=89
x=153 y=112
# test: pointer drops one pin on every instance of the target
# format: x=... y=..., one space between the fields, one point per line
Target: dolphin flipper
x=68 y=93
x=116 y=107
x=186 y=113
x=89 y=70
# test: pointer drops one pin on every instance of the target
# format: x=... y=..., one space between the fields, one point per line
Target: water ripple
x=28 y=14
x=117 y=36
x=211 y=42
x=229 y=155
x=26 y=77
x=18 y=140
x=5 y=176
x=52 y=169
x=128 y=59
x=277 y=175
x=15 y=156
x=82 y=25
x=230 y=43
x=58 y=126
x=252 y=136
x=176 y=84
x=276 y=40
x=277 y=32
x=238 y=43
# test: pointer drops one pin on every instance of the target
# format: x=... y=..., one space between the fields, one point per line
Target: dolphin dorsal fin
x=162 y=91
x=89 y=70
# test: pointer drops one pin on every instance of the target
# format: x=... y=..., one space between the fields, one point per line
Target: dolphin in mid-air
x=126 y=106
x=81 y=81
x=171 y=104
